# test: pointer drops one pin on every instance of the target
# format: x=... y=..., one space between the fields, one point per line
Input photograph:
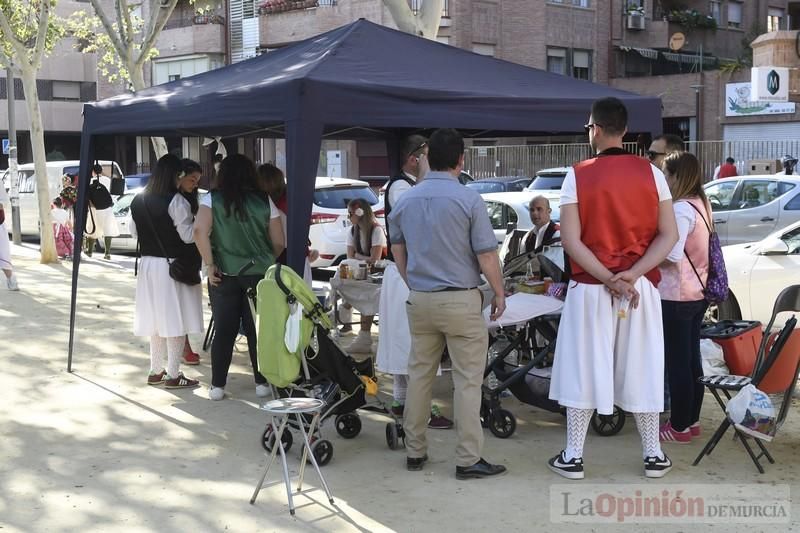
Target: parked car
x=548 y=181
x=506 y=208
x=136 y=181
x=329 y=221
x=500 y=184
x=28 y=195
x=758 y=272
x=748 y=208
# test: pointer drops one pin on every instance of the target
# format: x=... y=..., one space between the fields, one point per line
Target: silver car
x=748 y=208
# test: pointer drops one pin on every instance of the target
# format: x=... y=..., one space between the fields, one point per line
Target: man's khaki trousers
x=453 y=318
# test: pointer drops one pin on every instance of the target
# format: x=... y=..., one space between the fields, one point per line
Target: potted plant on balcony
x=690 y=19
x=635 y=16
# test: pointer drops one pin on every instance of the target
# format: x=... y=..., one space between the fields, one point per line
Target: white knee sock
x=400 y=388
x=577 y=426
x=174 y=353
x=158 y=351
x=647 y=424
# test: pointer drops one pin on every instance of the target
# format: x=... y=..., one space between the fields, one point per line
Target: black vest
x=150 y=212
x=387 y=208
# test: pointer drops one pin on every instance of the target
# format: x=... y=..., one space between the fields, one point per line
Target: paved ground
x=97 y=450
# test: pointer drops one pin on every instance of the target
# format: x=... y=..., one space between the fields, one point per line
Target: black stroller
x=523 y=367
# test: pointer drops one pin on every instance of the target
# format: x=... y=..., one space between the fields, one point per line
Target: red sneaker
x=694 y=429
x=669 y=434
x=191 y=358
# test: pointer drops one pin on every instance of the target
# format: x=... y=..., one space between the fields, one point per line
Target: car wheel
x=727 y=310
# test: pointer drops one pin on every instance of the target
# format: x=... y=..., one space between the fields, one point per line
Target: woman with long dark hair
x=239 y=234
x=166 y=310
x=683 y=278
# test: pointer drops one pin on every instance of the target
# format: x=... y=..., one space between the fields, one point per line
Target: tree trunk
x=137 y=80
x=47 y=240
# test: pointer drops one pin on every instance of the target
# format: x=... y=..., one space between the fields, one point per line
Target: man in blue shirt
x=442 y=240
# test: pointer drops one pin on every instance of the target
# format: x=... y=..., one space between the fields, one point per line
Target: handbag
x=184 y=268
x=715 y=288
x=2 y=215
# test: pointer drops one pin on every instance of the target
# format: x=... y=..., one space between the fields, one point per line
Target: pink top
x=679 y=282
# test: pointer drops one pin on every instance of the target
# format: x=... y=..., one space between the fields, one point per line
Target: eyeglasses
x=588 y=127
x=651 y=155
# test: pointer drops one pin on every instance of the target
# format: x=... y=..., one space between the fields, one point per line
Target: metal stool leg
x=271 y=457
x=308 y=451
x=286 y=479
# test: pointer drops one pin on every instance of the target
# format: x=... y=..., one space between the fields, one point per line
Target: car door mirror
x=773 y=246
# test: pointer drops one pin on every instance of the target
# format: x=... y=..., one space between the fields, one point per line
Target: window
x=67 y=90
x=794 y=204
x=756 y=193
x=577 y=3
x=483 y=49
x=721 y=194
x=173 y=77
x=483 y=187
x=734 y=14
x=339 y=197
x=27 y=181
x=784 y=187
x=581 y=64
x=547 y=183
x=792 y=240
x=575 y=63
x=557 y=60
x=774 y=19
x=495 y=212
x=715 y=10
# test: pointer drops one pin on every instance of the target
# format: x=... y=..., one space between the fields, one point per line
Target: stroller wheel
x=268 y=439
x=393 y=435
x=348 y=425
x=323 y=451
x=502 y=423
x=608 y=425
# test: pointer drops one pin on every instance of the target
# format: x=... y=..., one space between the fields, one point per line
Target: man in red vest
x=617 y=226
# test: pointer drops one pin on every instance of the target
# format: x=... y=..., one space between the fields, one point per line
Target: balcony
x=194 y=38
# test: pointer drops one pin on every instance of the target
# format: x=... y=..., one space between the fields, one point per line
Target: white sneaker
x=362 y=343
x=216 y=393
x=12 y=283
x=263 y=390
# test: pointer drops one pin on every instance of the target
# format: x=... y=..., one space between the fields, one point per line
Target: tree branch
x=123 y=34
x=430 y=17
x=41 y=38
x=158 y=24
x=104 y=20
x=403 y=16
x=5 y=29
x=126 y=21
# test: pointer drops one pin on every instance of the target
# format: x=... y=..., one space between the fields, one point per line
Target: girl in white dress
x=5 y=247
x=166 y=310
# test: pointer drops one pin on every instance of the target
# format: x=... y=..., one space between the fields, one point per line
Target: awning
x=648 y=53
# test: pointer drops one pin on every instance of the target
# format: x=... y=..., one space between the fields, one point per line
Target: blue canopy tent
x=360 y=80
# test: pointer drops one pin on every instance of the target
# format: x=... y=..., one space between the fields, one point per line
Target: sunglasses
x=651 y=155
x=588 y=127
x=418 y=148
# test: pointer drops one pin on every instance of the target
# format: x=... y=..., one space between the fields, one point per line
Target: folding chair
x=775 y=374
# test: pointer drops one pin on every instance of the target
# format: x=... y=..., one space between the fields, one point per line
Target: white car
x=758 y=272
x=329 y=221
x=548 y=182
x=506 y=208
x=28 y=194
x=748 y=208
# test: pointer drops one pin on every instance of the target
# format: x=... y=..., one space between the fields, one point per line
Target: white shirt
x=398 y=188
x=378 y=239
x=4 y=200
x=569 y=190
x=274 y=212
x=686 y=219
x=539 y=232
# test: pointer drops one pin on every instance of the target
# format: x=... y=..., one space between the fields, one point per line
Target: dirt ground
x=98 y=450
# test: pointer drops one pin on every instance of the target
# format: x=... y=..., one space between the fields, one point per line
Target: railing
x=416 y=5
x=490 y=161
x=186 y=20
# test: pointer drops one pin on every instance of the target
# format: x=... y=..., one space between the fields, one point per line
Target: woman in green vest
x=237 y=224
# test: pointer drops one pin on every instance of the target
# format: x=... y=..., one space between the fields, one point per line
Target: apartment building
x=66 y=80
x=693 y=54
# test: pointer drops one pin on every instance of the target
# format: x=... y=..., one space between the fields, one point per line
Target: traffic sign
x=5 y=146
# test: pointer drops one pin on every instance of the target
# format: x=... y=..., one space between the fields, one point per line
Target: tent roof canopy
x=371 y=77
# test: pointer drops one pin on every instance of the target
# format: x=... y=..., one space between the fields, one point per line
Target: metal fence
x=490 y=161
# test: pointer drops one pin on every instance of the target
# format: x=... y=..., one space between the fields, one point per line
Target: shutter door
x=776 y=131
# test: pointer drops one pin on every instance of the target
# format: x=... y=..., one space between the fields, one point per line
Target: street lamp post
x=16 y=233
x=698 y=108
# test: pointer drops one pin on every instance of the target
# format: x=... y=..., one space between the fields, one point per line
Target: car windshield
x=483 y=187
x=339 y=197
x=547 y=183
x=123 y=205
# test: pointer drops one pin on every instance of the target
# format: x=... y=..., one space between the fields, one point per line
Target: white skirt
x=105 y=223
x=394 y=336
x=602 y=359
x=165 y=307
x=5 y=248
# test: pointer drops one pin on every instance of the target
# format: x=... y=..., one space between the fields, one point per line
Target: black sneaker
x=572 y=469
x=415 y=464
x=657 y=466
